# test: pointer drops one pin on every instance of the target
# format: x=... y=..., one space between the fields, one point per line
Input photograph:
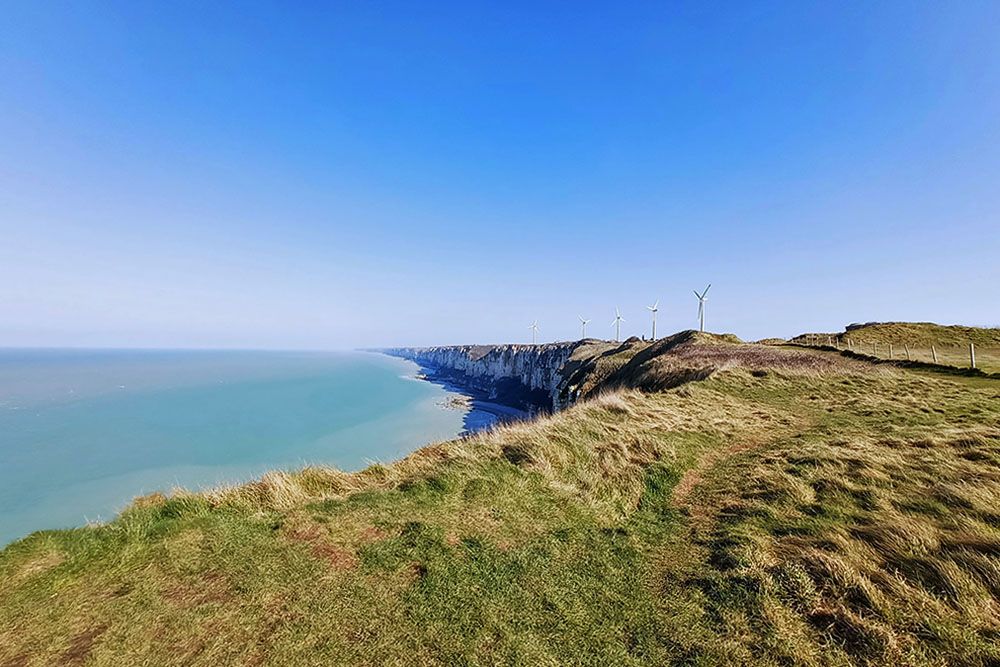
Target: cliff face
x=555 y=375
x=529 y=376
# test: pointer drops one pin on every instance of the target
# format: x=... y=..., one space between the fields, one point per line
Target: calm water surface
x=83 y=432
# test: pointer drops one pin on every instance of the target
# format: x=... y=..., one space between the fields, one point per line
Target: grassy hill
x=916 y=334
x=712 y=503
x=950 y=343
x=924 y=333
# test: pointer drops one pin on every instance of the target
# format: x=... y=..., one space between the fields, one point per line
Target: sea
x=83 y=432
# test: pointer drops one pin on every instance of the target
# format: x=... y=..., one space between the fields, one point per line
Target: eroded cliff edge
x=553 y=376
x=531 y=377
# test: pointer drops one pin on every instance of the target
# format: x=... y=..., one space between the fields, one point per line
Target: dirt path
x=693 y=478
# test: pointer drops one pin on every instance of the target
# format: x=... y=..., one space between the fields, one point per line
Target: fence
x=965 y=355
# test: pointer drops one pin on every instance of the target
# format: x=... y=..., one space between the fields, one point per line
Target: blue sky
x=351 y=174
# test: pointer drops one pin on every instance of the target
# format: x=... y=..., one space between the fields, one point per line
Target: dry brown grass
x=43 y=562
x=883 y=548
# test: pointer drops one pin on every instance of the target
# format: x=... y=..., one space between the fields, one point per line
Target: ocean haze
x=84 y=431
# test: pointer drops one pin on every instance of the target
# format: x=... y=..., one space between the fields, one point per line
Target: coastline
x=86 y=433
x=483 y=413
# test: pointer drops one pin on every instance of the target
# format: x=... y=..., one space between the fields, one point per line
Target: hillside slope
x=915 y=334
x=706 y=502
x=917 y=341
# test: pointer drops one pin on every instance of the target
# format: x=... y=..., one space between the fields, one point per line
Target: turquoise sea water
x=84 y=432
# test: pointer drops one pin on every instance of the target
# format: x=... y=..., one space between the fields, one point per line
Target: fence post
x=890 y=350
x=972 y=355
x=934 y=353
x=907 y=348
x=874 y=349
x=850 y=345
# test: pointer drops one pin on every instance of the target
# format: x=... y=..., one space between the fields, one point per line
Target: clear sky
x=346 y=174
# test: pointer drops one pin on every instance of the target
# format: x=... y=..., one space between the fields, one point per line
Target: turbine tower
x=653 y=309
x=701 y=307
x=583 y=327
x=534 y=331
x=617 y=324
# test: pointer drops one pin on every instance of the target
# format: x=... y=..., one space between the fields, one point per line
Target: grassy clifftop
x=925 y=333
x=712 y=503
x=917 y=333
x=917 y=341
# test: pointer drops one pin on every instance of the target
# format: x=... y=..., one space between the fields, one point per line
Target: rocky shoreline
x=526 y=377
x=481 y=412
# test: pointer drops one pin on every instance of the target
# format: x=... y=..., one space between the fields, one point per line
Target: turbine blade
x=706 y=290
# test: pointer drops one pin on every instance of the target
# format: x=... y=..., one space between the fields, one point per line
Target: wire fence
x=964 y=355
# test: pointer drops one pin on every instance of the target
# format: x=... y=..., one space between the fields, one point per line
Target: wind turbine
x=701 y=307
x=655 y=307
x=534 y=330
x=583 y=327
x=617 y=324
